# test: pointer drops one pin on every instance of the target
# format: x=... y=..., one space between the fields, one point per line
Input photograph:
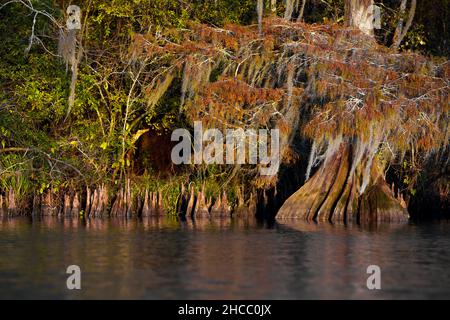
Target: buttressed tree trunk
x=359 y=14
x=348 y=187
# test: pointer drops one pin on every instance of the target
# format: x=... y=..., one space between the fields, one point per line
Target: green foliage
x=222 y=12
x=415 y=40
x=15 y=175
x=95 y=144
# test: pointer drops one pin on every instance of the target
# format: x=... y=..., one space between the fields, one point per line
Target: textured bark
x=87 y=207
x=201 y=208
x=1 y=206
x=146 y=206
x=332 y=194
x=195 y=205
x=260 y=11
x=401 y=30
x=289 y=9
x=12 y=206
x=273 y=6
x=302 y=10
x=358 y=14
x=50 y=204
x=76 y=205
x=119 y=205
x=221 y=207
x=97 y=202
x=67 y=205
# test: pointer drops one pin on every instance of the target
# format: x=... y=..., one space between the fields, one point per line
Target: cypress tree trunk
x=273 y=6
x=359 y=14
x=349 y=185
x=334 y=192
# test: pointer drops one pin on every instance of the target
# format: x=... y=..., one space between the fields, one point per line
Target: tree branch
x=401 y=31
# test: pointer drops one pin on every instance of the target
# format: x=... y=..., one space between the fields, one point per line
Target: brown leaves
x=352 y=81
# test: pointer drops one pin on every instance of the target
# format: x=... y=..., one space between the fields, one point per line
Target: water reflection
x=167 y=258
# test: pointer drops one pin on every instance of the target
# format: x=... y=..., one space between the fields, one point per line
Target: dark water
x=221 y=259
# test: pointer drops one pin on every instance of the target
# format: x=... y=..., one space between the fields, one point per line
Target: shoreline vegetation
x=86 y=117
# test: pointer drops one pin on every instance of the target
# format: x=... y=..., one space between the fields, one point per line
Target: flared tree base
x=333 y=194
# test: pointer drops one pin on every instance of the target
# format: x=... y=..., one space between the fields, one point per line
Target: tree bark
x=289 y=9
x=359 y=14
x=333 y=193
x=302 y=10
x=260 y=12
x=400 y=31
x=273 y=6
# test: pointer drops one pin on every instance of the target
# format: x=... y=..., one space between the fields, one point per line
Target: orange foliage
x=341 y=77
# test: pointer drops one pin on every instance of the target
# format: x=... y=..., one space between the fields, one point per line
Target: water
x=221 y=259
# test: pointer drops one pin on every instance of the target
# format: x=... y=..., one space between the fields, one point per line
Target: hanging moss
x=370 y=101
